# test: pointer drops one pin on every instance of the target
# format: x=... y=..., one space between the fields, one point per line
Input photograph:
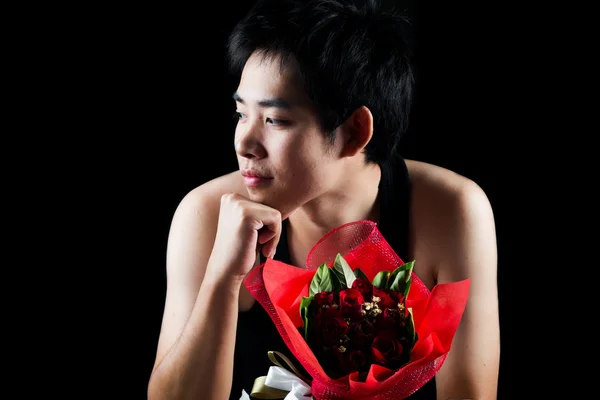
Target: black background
x=156 y=101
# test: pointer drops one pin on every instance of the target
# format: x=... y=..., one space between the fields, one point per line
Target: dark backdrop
x=161 y=120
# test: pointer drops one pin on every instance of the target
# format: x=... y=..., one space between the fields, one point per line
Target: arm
x=204 y=276
x=468 y=239
x=186 y=336
x=208 y=334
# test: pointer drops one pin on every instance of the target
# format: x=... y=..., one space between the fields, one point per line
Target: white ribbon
x=244 y=395
x=282 y=379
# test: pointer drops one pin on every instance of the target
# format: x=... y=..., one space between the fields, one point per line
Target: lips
x=255 y=179
x=249 y=173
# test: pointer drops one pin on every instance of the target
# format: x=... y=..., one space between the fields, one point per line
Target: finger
x=271 y=233
x=267 y=223
x=265 y=234
x=269 y=248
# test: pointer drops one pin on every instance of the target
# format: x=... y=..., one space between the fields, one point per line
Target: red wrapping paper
x=279 y=288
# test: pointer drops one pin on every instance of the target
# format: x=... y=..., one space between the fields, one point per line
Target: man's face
x=278 y=137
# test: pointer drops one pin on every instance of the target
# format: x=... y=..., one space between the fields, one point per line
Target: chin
x=285 y=208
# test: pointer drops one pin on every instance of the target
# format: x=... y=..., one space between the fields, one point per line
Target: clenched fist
x=243 y=227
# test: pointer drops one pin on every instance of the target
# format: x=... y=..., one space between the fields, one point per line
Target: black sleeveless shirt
x=256 y=334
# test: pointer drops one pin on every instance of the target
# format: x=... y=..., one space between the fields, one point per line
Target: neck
x=355 y=197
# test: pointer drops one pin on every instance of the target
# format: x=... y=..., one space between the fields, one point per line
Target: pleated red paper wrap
x=279 y=288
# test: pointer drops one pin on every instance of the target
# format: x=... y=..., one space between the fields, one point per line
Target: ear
x=357 y=131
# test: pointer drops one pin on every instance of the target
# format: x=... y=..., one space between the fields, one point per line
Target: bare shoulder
x=194 y=225
x=452 y=219
x=212 y=190
x=441 y=181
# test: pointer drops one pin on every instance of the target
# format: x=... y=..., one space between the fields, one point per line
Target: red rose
x=329 y=327
x=354 y=360
x=361 y=335
x=344 y=362
x=390 y=319
x=323 y=299
x=386 y=349
x=351 y=301
x=364 y=287
x=388 y=298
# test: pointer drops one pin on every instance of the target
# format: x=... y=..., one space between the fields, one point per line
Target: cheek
x=301 y=158
x=304 y=159
x=309 y=170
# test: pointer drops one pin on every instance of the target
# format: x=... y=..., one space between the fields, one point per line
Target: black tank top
x=256 y=334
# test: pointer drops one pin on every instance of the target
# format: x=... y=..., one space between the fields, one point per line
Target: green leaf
x=359 y=274
x=304 y=309
x=406 y=289
x=399 y=282
x=339 y=277
x=401 y=278
x=394 y=274
x=322 y=281
x=381 y=279
x=337 y=283
x=343 y=271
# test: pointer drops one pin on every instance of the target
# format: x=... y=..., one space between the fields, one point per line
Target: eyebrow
x=269 y=103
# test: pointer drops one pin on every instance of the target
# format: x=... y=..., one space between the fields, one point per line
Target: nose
x=249 y=140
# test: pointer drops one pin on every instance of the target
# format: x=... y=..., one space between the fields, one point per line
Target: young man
x=323 y=98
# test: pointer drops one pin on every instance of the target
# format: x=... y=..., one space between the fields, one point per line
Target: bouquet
x=351 y=323
x=357 y=318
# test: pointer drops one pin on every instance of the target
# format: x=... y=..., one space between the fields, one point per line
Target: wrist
x=223 y=283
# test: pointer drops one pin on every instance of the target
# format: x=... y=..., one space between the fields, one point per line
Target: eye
x=238 y=115
x=279 y=122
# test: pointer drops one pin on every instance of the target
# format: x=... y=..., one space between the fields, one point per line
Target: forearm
x=200 y=364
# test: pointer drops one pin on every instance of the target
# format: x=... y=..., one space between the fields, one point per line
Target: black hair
x=349 y=53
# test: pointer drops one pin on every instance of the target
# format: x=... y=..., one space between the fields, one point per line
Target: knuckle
x=228 y=198
x=244 y=213
x=225 y=197
x=277 y=216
